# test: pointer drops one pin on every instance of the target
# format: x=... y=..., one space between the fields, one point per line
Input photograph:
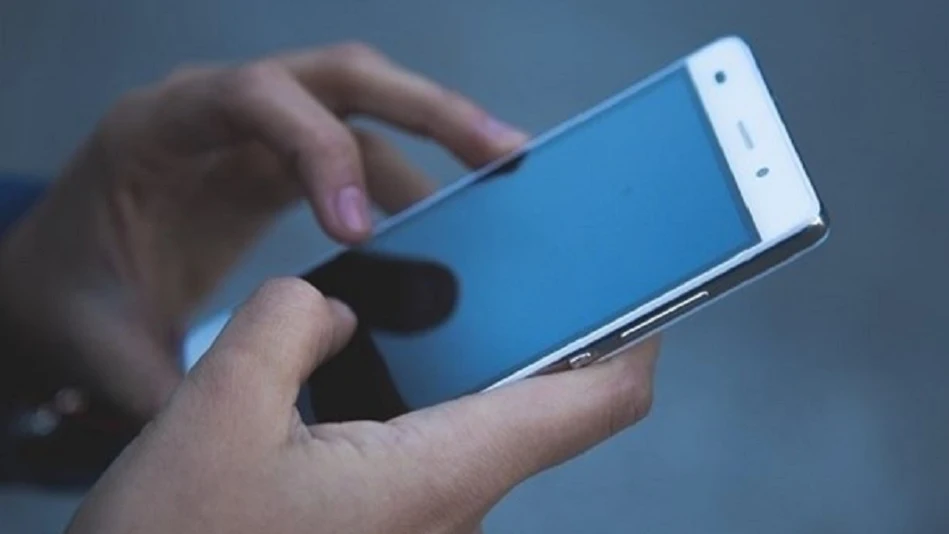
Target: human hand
x=230 y=453
x=180 y=178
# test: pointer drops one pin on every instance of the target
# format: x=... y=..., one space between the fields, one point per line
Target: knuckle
x=292 y=293
x=128 y=104
x=630 y=400
x=188 y=73
x=440 y=105
x=337 y=144
x=251 y=80
x=347 y=65
x=356 y=53
x=301 y=308
x=123 y=127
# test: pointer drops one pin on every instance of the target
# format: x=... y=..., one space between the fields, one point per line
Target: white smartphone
x=611 y=226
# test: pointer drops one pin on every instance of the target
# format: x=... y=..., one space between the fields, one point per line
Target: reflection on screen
x=581 y=230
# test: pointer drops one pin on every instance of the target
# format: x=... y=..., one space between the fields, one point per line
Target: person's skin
x=180 y=178
x=161 y=201
x=230 y=454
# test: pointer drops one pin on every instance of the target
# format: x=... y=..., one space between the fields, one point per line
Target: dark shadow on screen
x=387 y=293
x=505 y=169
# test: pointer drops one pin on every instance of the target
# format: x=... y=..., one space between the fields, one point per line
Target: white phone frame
x=782 y=204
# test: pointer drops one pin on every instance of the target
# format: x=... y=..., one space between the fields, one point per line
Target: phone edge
x=614 y=342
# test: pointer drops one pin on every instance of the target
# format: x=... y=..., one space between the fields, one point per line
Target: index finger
x=355 y=79
x=265 y=102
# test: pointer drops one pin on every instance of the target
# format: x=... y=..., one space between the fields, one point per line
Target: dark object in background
x=51 y=434
x=387 y=293
x=54 y=435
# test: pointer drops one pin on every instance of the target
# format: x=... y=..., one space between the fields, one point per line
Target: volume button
x=670 y=311
x=582 y=360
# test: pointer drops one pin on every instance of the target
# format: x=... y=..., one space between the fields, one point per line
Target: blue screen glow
x=586 y=227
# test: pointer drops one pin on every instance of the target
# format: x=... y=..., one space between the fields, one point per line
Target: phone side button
x=582 y=360
x=663 y=316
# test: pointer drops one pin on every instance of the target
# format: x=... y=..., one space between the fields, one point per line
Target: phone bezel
x=752 y=136
x=784 y=206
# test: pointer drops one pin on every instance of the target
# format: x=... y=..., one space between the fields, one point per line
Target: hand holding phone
x=230 y=452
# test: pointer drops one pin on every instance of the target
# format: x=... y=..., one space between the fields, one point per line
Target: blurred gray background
x=813 y=401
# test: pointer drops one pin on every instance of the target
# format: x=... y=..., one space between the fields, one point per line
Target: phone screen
x=575 y=233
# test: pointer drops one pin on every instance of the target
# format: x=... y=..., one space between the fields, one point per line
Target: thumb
x=271 y=345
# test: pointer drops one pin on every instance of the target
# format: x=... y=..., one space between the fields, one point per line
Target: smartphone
x=613 y=225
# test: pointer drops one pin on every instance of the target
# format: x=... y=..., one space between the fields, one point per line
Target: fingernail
x=341 y=310
x=500 y=131
x=352 y=209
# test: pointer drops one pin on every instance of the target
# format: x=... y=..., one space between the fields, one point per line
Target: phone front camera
x=720 y=76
